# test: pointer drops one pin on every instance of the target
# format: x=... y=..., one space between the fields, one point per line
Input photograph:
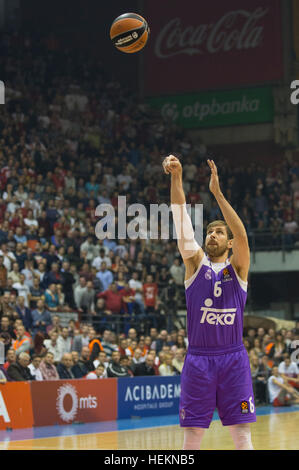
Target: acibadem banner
x=217 y=108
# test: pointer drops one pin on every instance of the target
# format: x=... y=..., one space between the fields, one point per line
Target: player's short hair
x=216 y=223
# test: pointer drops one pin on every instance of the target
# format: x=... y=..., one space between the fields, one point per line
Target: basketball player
x=216 y=372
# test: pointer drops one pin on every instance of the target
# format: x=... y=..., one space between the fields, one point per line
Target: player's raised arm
x=190 y=251
x=240 y=259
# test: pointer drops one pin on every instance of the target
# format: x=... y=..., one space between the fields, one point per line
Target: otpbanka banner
x=198 y=45
x=217 y=108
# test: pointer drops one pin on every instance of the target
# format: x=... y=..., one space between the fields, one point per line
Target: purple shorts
x=216 y=379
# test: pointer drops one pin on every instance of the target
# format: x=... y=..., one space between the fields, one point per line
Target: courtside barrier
x=27 y=404
x=69 y=401
x=16 y=405
x=148 y=396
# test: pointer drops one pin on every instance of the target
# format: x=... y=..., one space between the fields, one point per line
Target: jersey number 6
x=217 y=289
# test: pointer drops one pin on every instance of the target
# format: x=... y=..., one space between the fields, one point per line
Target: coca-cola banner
x=198 y=45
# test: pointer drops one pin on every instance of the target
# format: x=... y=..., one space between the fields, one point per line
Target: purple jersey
x=215 y=298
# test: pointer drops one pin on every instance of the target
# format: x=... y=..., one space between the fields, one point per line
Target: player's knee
x=242 y=437
x=195 y=431
x=192 y=438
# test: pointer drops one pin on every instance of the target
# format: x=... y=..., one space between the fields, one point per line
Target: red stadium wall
x=16 y=405
x=65 y=401
x=25 y=404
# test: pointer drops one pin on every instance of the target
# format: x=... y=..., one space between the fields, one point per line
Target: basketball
x=129 y=32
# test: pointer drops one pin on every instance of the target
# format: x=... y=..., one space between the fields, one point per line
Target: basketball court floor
x=275 y=429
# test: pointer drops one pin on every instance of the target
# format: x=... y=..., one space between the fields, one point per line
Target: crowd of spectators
x=77 y=351
x=273 y=360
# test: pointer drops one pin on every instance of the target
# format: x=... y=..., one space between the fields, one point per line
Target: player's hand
x=214 y=185
x=172 y=165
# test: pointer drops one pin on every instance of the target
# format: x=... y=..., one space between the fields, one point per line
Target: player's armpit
x=191 y=264
x=240 y=259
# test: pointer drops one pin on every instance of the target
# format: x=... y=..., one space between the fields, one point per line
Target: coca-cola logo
x=237 y=30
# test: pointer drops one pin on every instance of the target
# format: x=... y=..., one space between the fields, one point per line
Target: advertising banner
x=148 y=396
x=210 y=45
x=68 y=401
x=296 y=28
x=217 y=108
x=15 y=405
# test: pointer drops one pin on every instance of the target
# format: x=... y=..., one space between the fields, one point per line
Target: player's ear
x=230 y=243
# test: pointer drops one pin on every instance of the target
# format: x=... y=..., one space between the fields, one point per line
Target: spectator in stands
x=114 y=368
x=53 y=276
x=64 y=367
x=166 y=368
x=145 y=368
x=6 y=308
x=95 y=345
x=178 y=360
x=34 y=365
x=281 y=393
x=101 y=359
x=24 y=312
x=256 y=349
x=55 y=325
x=289 y=371
x=279 y=348
x=137 y=358
x=161 y=341
x=87 y=303
x=81 y=338
x=113 y=303
x=52 y=345
x=14 y=274
x=47 y=370
x=260 y=380
x=19 y=371
x=65 y=341
x=23 y=289
x=76 y=370
x=51 y=298
x=177 y=272
x=150 y=292
x=3 y=273
x=98 y=373
x=106 y=342
x=28 y=272
x=179 y=344
x=5 y=326
x=22 y=342
x=67 y=281
x=268 y=348
x=41 y=318
x=85 y=362
x=105 y=276
x=78 y=292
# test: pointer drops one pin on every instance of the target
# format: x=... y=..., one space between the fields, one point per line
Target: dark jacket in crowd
x=64 y=372
x=116 y=370
x=143 y=369
x=18 y=373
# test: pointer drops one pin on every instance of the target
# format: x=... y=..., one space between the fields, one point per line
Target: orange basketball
x=129 y=32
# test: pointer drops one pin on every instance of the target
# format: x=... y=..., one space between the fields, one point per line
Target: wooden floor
x=270 y=432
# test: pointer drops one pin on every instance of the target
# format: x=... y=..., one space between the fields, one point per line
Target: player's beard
x=215 y=251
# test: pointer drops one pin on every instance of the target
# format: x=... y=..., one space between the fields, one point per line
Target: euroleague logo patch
x=244 y=407
x=226 y=275
x=182 y=413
